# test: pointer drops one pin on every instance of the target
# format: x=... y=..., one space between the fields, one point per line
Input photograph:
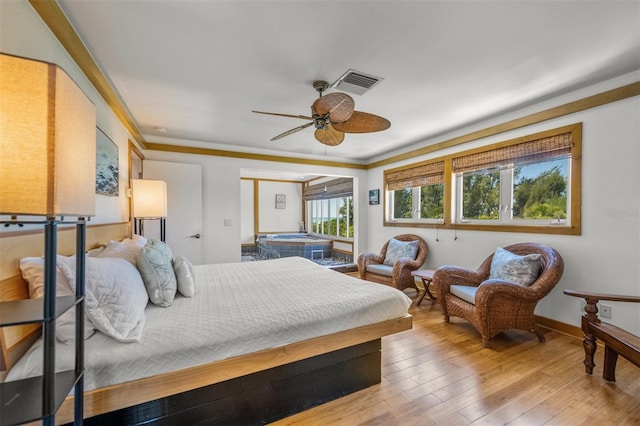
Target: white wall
x=272 y=219
x=247 y=228
x=606 y=256
x=23 y=33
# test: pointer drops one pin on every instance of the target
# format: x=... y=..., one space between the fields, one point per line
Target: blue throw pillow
x=398 y=249
x=517 y=269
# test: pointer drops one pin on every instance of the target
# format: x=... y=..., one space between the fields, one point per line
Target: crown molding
x=250 y=156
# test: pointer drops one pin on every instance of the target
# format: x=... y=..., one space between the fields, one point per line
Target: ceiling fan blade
x=339 y=106
x=292 y=131
x=363 y=122
x=329 y=136
x=304 y=117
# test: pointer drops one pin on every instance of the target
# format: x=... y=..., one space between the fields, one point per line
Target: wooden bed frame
x=255 y=388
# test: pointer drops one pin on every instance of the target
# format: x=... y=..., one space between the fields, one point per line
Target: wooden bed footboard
x=159 y=387
x=262 y=397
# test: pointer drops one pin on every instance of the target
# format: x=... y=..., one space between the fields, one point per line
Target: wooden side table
x=426 y=275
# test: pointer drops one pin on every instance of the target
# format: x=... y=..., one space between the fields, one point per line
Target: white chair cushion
x=379 y=269
x=464 y=292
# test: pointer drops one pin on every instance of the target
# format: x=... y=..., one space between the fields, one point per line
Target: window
x=534 y=192
x=332 y=217
x=524 y=183
x=416 y=193
x=330 y=207
x=529 y=184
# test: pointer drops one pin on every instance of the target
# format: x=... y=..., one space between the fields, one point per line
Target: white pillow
x=115 y=297
x=96 y=251
x=33 y=272
x=155 y=266
x=126 y=249
x=32 y=269
x=184 y=275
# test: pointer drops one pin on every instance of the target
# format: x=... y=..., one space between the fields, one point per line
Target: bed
x=230 y=353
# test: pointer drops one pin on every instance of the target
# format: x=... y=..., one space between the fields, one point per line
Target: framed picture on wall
x=107 y=171
x=374 y=196
x=281 y=201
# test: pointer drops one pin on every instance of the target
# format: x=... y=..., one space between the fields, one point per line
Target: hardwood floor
x=440 y=374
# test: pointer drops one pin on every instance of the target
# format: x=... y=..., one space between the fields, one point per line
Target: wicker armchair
x=371 y=267
x=499 y=305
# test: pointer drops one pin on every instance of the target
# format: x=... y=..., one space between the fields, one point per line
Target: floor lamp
x=47 y=170
x=149 y=203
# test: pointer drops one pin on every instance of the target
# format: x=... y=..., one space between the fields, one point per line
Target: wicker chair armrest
x=406 y=263
x=602 y=296
x=448 y=275
x=491 y=288
x=370 y=257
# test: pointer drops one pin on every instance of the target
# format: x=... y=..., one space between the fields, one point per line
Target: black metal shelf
x=22 y=399
x=36 y=398
x=30 y=311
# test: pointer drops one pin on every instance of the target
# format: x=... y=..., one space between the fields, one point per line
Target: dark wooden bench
x=616 y=340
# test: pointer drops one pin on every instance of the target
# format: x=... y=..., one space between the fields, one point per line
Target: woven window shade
x=420 y=175
x=337 y=188
x=535 y=151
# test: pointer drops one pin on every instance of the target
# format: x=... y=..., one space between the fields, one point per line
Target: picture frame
x=374 y=196
x=281 y=201
x=107 y=166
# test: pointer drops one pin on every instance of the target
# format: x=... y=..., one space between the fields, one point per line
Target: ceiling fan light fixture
x=356 y=82
x=332 y=116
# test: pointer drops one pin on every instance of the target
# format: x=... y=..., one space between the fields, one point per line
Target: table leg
x=421 y=295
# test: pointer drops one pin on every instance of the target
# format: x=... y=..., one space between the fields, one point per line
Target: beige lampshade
x=149 y=198
x=47 y=141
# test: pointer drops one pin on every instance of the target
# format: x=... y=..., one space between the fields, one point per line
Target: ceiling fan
x=333 y=116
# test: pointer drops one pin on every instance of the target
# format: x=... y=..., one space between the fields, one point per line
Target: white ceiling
x=198 y=68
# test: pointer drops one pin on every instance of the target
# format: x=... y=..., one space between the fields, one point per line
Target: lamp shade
x=149 y=198
x=47 y=141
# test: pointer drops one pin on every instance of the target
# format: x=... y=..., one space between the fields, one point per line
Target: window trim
x=574 y=190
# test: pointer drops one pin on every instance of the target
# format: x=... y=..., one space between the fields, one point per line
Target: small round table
x=426 y=275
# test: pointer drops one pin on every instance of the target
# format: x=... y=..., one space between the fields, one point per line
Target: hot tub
x=272 y=246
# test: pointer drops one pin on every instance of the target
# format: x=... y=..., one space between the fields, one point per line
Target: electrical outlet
x=605 y=311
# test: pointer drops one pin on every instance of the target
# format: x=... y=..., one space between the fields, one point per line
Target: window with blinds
x=528 y=184
x=416 y=192
x=330 y=206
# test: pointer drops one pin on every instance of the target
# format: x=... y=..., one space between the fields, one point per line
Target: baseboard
x=560 y=327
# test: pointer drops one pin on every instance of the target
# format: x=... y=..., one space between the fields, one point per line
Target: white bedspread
x=238 y=308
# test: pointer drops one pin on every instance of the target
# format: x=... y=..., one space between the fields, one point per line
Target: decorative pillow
x=126 y=249
x=517 y=269
x=115 y=297
x=32 y=269
x=398 y=249
x=184 y=275
x=33 y=272
x=96 y=251
x=155 y=265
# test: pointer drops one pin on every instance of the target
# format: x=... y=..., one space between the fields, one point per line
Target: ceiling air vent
x=356 y=82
